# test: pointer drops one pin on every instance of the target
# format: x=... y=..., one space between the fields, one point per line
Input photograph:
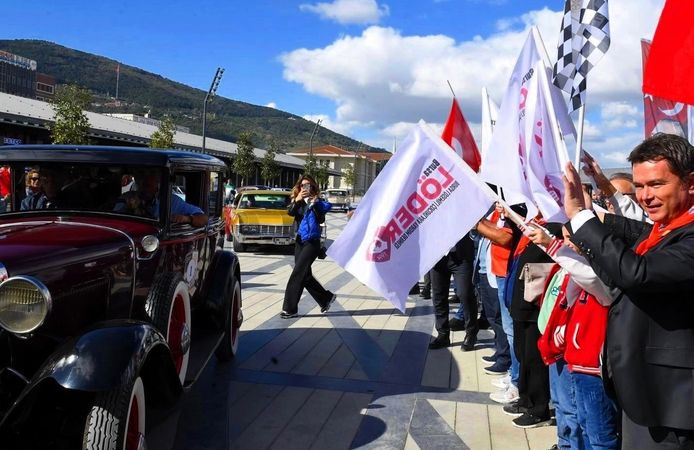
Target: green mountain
x=141 y=92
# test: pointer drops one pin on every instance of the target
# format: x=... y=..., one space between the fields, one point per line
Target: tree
x=269 y=169
x=310 y=167
x=244 y=163
x=321 y=175
x=349 y=175
x=164 y=136
x=71 y=124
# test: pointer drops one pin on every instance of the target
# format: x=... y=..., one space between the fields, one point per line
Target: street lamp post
x=310 y=141
x=354 y=173
x=210 y=93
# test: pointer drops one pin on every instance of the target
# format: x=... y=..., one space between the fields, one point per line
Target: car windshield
x=118 y=189
x=338 y=193
x=263 y=201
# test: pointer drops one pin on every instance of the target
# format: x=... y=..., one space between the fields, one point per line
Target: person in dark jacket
x=532 y=408
x=458 y=263
x=308 y=211
x=650 y=326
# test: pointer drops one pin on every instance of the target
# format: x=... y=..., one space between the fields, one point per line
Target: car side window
x=215 y=194
x=189 y=187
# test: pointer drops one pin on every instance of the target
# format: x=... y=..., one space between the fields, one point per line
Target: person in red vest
x=650 y=332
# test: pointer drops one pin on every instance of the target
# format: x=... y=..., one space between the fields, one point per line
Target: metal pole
x=310 y=141
x=204 y=120
x=354 y=173
x=210 y=93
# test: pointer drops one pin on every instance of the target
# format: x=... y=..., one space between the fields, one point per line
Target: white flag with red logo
x=527 y=151
x=422 y=203
x=457 y=134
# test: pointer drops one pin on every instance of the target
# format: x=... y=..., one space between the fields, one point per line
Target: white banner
x=527 y=151
x=422 y=203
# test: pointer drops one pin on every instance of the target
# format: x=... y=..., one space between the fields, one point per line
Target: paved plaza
x=360 y=376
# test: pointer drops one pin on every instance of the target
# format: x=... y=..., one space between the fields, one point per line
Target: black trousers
x=426 y=287
x=533 y=381
x=304 y=255
x=654 y=438
x=440 y=285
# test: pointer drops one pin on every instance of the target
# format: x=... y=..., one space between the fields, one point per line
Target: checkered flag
x=584 y=38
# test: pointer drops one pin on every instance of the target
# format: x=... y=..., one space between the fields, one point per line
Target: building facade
x=366 y=165
x=17 y=75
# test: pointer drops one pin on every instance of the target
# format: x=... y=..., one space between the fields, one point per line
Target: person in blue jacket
x=308 y=211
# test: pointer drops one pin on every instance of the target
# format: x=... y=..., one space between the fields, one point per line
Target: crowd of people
x=593 y=318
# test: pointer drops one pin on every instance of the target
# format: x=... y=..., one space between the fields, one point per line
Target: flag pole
x=544 y=83
x=451 y=88
x=579 y=134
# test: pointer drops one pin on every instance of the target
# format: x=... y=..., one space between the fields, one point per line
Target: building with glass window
x=17 y=75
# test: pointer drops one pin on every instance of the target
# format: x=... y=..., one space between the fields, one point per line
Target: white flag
x=527 y=151
x=489 y=113
x=422 y=203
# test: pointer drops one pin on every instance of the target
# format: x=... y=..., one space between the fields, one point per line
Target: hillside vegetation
x=141 y=92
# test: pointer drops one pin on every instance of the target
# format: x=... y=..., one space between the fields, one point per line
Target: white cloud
x=341 y=127
x=361 y=12
x=616 y=115
x=384 y=77
x=272 y=105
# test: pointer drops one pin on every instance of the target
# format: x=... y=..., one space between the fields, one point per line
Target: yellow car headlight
x=24 y=304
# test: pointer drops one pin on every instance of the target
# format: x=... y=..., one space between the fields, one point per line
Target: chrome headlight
x=150 y=243
x=24 y=304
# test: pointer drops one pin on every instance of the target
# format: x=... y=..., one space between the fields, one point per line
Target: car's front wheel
x=169 y=309
x=116 y=420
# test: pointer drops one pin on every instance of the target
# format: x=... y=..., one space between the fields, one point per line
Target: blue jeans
x=507 y=324
x=490 y=301
x=570 y=435
x=597 y=414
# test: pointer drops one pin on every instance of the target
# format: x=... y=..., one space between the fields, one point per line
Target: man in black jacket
x=650 y=332
x=458 y=262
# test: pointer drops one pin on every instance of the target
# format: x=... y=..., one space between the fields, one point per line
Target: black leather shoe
x=453 y=299
x=425 y=295
x=469 y=342
x=441 y=341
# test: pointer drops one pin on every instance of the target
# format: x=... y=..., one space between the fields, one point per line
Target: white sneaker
x=502 y=382
x=507 y=395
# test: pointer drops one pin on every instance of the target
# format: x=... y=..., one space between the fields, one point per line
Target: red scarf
x=660 y=230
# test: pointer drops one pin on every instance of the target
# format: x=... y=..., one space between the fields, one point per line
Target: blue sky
x=368 y=68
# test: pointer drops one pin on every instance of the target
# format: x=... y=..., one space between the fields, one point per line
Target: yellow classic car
x=260 y=217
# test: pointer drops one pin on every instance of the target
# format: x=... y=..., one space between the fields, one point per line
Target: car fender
x=224 y=262
x=102 y=359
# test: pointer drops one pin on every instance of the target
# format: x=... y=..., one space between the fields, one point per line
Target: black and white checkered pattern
x=584 y=38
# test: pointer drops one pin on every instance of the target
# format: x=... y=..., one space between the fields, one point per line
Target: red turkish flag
x=671 y=62
x=457 y=134
x=661 y=114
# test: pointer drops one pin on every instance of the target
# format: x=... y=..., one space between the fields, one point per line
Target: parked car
x=260 y=218
x=339 y=198
x=108 y=309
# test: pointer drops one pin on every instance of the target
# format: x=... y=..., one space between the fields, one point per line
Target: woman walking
x=309 y=212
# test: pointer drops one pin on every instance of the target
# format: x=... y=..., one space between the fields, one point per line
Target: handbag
x=534 y=276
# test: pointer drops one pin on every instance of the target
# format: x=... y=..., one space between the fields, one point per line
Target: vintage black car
x=114 y=291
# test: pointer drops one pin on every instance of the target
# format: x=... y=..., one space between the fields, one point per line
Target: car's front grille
x=267 y=230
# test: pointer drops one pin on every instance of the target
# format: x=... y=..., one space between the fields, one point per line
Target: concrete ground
x=360 y=376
